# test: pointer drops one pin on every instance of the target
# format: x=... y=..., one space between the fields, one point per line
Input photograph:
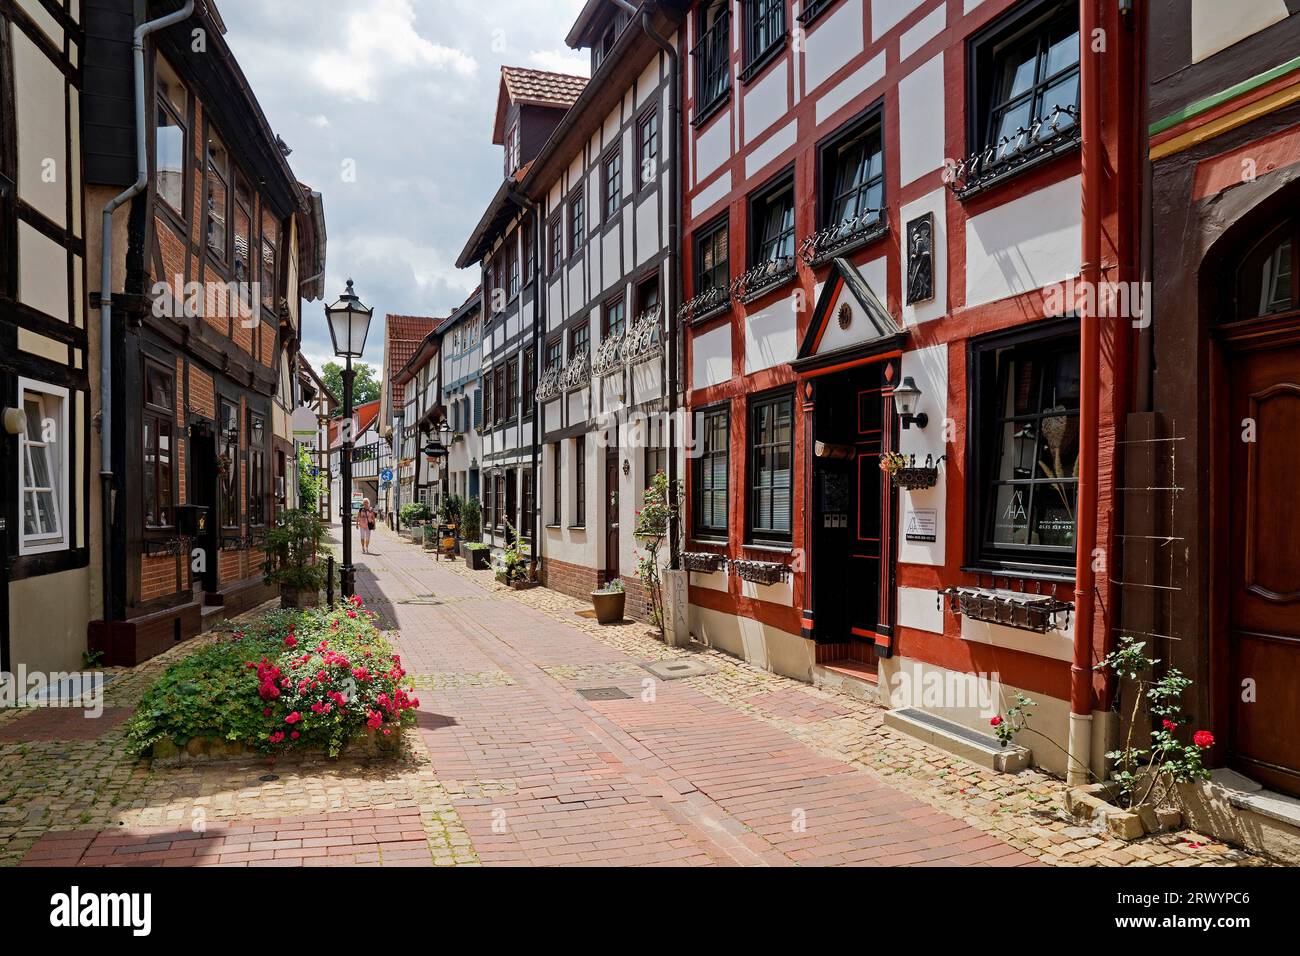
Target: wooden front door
x=1263 y=569
x=611 y=516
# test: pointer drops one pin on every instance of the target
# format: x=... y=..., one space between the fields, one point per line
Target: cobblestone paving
x=509 y=765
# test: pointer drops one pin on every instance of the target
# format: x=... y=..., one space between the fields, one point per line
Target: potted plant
x=609 y=602
x=515 y=562
x=661 y=506
x=471 y=527
x=293 y=552
x=414 y=514
x=451 y=511
x=478 y=556
x=430 y=537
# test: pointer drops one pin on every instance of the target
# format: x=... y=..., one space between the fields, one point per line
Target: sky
x=388 y=106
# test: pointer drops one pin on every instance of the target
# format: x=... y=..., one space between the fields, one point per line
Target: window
x=647 y=137
x=478 y=408
x=169 y=159
x=512 y=150
x=603 y=47
x=1266 y=282
x=713 y=435
x=502 y=510
x=580 y=481
x=771 y=468
x=853 y=174
x=512 y=268
x=613 y=183
x=655 y=451
x=512 y=389
x=647 y=295
x=554 y=353
x=771 y=216
x=530 y=380
x=712 y=258
x=486 y=392
x=1026 y=83
x=557 y=244
x=1026 y=451
x=557 y=485
x=764 y=30
x=526 y=519
x=712 y=56
x=157 y=428
x=614 y=317
x=577 y=221
x=218 y=191
x=530 y=252
x=257 y=469
x=43 y=468
x=580 y=340
x=228 y=465
x=268 y=267
x=499 y=394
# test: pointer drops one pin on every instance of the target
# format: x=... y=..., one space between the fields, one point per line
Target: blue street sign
x=386 y=474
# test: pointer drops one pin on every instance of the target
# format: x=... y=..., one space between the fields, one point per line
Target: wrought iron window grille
x=645 y=337
x=1044 y=137
x=1039 y=613
x=577 y=373
x=609 y=354
x=548 y=386
x=707 y=304
x=705 y=562
x=842 y=237
x=763 y=278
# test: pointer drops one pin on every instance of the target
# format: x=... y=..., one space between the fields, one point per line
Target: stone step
x=980 y=749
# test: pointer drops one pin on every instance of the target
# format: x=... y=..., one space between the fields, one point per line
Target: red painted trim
x=1266 y=155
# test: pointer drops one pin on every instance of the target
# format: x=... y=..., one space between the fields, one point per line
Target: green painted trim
x=1215 y=99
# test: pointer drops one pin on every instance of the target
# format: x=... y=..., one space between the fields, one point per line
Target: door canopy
x=850 y=323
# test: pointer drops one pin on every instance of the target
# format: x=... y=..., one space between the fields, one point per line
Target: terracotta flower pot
x=609 y=606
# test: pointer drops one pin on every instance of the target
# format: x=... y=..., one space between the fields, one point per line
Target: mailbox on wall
x=192 y=520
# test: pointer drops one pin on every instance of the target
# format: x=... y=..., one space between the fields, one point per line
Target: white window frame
x=45 y=544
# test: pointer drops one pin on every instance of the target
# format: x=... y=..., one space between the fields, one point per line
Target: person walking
x=365 y=524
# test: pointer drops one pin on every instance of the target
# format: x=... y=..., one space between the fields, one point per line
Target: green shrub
x=311 y=679
x=414 y=512
x=295 y=551
x=471 y=515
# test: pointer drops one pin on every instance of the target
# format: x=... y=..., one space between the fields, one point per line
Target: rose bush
x=312 y=679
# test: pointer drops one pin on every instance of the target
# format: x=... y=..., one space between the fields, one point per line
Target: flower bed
x=315 y=680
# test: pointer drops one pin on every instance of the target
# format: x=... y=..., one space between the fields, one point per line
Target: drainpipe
x=1080 y=733
x=106 y=288
x=674 y=257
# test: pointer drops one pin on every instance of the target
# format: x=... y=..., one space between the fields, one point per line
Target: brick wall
x=157 y=577
x=637 y=605
x=574 y=580
x=203 y=396
x=228 y=567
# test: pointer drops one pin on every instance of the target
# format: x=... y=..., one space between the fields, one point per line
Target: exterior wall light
x=906 y=397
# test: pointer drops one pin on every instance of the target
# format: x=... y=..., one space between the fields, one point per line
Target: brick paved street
x=509 y=764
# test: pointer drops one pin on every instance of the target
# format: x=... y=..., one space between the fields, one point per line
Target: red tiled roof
x=365 y=416
x=534 y=88
x=402 y=336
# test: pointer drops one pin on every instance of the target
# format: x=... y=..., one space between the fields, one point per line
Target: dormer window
x=605 y=45
x=512 y=150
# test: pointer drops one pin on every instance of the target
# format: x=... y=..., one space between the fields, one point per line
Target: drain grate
x=603 y=693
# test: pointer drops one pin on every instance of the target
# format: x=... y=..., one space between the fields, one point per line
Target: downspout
x=1080 y=731
x=674 y=259
x=106 y=289
x=534 y=209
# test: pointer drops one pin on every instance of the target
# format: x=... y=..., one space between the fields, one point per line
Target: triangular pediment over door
x=850 y=323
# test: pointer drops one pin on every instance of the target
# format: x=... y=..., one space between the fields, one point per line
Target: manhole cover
x=678 y=669
x=604 y=693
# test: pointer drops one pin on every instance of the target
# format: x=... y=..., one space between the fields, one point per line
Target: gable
x=850 y=319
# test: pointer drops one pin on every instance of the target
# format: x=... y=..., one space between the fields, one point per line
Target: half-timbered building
x=461 y=353
x=889 y=488
x=46 y=531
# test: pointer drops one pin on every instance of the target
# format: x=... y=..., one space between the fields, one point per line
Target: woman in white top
x=365 y=524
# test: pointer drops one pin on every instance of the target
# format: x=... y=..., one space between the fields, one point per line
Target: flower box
x=917 y=479
x=1025 y=612
x=170 y=753
x=761 y=572
x=705 y=562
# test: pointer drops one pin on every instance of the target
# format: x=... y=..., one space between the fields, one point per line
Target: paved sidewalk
x=512 y=764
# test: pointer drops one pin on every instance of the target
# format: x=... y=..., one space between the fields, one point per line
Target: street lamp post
x=349 y=322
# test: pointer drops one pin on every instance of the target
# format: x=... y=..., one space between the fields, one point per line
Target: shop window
x=1024 y=447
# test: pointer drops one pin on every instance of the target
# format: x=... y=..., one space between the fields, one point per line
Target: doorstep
x=971 y=745
x=850 y=677
x=1236 y=809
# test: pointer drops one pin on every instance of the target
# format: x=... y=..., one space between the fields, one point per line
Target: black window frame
x=706 y=236
x=759 y=201
x=255 y=422
x=555 y=230
x=712 y=56
x=557 y=484
x=612 y=182
x=983 y=110
x=704 y=420
x=554 y=353
x=764 y=34
x=156 y=415
x=647 y=146
x=488 y=409
x=1247 y=287
x=983 y=449
x=577 y=207
x=529 y=389
x=580 y=338
x=512 y=389
x=614 y=304
x=580 y=481
x=228 y=496
x=755 y=533
x=830 y=168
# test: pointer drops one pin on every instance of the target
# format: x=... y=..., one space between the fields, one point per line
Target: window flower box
x=761 y=572
x=705 y=562
x=1039 y=613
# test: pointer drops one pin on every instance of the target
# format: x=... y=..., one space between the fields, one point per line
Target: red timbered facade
x=892 y=197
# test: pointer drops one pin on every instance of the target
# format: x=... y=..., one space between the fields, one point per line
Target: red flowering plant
x=314 y=679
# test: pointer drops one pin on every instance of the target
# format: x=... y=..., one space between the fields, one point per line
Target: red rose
x=293 y=718
x=276 y=737
x=995 y=722
x=1170 y=725
x=1203 y=739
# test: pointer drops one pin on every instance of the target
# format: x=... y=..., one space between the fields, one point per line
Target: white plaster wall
x=771 y=148
x=42 y=273
x=770 y=336
x=711 y=194
x=712 y=146
x=711 y=357
x=39 y=90
x=1217 y=25
x=766 y=101
x=919 y=608
x=1025 y=244
x=860 y=80
x=921 y=117
x=887 y=14
x=647 y=228
x=925 y=30
x=928 y=367
x=832 y=43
